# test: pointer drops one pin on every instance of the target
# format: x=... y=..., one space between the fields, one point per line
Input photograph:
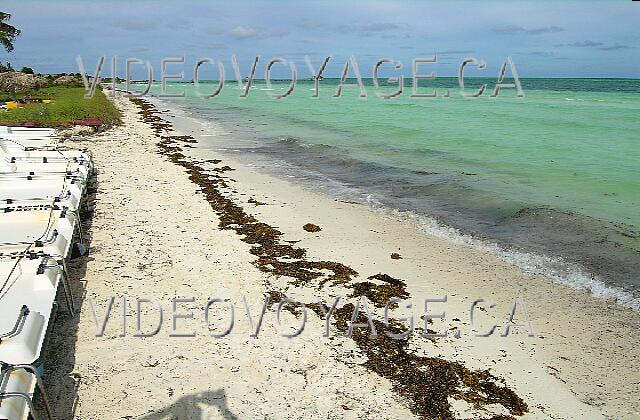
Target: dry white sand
x=154 y=236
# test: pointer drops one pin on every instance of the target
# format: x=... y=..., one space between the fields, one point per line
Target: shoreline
x=291 y=193
x=557 y=381
x=563 y=269
x=572 y=268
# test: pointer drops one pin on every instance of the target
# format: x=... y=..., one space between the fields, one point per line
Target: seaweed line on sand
x=425 y=383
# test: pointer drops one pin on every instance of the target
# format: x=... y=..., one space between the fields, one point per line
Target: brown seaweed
x=426 y=383
x=310 y=227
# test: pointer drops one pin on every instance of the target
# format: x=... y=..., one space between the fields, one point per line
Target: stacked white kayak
x=42 y=189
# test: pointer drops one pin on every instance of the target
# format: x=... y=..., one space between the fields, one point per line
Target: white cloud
x=247 y=32
x=243 y=32
x=135 y=25
x=515 y=29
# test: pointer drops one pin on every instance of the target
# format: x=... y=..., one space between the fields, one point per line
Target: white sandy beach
x=155 y=236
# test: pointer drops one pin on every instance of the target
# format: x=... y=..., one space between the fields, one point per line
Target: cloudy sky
x=545 y=39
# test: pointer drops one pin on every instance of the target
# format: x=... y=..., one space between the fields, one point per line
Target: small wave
x=558 y=270
x=288 y=140
x=296 y=142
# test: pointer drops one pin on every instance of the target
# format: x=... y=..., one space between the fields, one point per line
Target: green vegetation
x=8 y=33
x=67 y=105
x=5 y=67
x=63 y=94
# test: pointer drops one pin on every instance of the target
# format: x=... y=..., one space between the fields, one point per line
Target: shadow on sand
x=195 y=406
x=59 y=349
x=61 y=384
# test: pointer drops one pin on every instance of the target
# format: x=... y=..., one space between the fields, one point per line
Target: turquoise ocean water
x=553 y=174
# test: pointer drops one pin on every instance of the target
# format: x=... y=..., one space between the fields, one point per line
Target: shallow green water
x=575 y=150
x=570 y=147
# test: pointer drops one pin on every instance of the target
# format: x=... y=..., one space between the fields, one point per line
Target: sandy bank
x=167 y=224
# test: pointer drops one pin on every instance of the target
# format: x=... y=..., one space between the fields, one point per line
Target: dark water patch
x=608 y=251
x=600 y=247
x=291 y=144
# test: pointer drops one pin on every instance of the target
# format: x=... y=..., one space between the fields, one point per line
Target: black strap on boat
x=41 y=267
x=22 y=316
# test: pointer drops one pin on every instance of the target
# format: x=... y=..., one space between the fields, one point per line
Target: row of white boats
x=42 y=190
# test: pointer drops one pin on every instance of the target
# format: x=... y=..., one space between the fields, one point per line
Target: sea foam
x=554 y=268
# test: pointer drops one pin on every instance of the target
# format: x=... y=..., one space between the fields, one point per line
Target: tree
x=8 y=33
x=26 y=70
